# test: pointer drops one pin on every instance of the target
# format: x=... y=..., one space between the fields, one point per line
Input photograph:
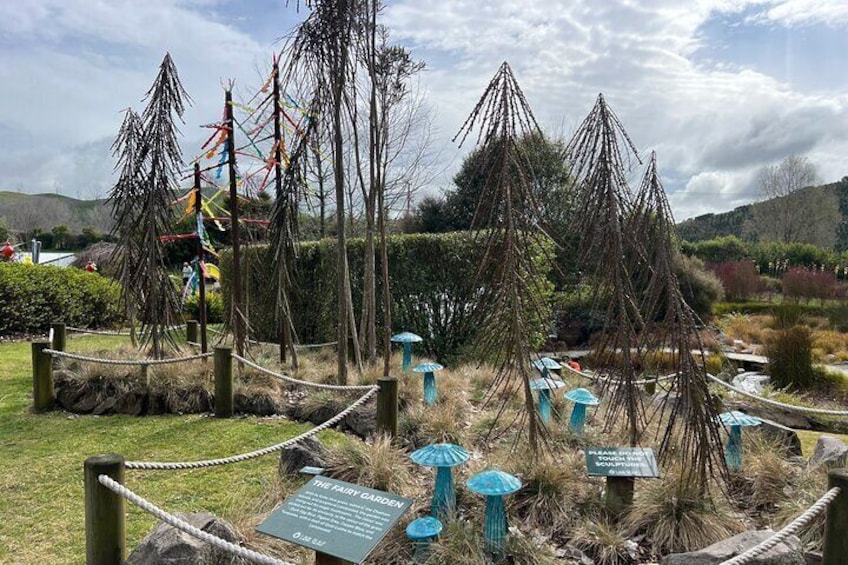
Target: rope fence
x=599 y=378
x=127 y=362
x=292 y=380
x=116 y=332
x=771 y=402
x=184 y=526
x=791 y=529
x=158 y=466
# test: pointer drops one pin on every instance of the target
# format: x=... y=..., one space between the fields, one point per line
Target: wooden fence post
x=191 y=331
x=835 y=548
x=105 y=528
x=387 y=406
x=223 y=382
x=619 y=494
x=42 y=377
x=60 y=336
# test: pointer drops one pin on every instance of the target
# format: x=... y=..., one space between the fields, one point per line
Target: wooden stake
x=201 y=303
x=387 y=406
x=236 y=300
x=105 y=528
x=42 y=377
x=60 y=336
x=223 y=382
x=619 y=494
x=835 y=549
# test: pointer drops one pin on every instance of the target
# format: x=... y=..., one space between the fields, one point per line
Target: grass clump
x=677 y=518
x=604 y=542
x=375 y=464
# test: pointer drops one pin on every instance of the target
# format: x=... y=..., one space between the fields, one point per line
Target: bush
x=740 y=279
x=214 y=307
x=808 y=284
x=433 y=286
x=34 y=296
x=790 y=353
x=700 y=287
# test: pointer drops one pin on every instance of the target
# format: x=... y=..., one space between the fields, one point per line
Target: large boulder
x=786 y=418
x=166 y=544
x=784 y=437
x=787 y=552
x=830 y=452
x=751 y=381
x=362 y=421
x=309 y=452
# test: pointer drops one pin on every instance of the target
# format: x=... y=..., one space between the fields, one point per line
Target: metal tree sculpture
x=161 y=160
x=124 y=198
x=692 y=435
x=603 y=204
x=507 y=216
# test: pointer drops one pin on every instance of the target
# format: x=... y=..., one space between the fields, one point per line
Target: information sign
x=621 y=462
x=337 y=518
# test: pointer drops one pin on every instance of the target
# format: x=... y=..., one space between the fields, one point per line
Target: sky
x=718 y=88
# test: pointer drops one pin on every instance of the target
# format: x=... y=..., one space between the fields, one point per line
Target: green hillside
x=26 y=213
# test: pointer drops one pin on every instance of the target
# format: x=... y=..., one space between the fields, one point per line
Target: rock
x=786 y=418
x=132 y=402
x=751 y=382
x=786 y=553
x=166 y=544
x=830 y=452
x=156 y=404
x=260 y=404
x=362 y=421
x=307 y=453
x=785 y=437
x=107 y=406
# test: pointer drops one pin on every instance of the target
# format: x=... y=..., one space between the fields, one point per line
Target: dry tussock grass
x=603 y=541
x=375 y=464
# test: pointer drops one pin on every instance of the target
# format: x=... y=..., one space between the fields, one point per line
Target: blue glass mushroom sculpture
x=581 y=398
x=422 y=531
x=546 y=365
x=544 y=386
x=429 y=370
x=494 y=485
x=736 y=421
x=444 y=457
x=407 y=339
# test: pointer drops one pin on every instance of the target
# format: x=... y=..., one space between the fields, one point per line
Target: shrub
x=700 y=287
x=214 y=307
x=433 y=285
x=808 y=284
x=790 y=353
x=740 y=279
x=33 y=296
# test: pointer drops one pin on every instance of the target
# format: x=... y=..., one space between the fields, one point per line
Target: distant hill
x=28 y=212
x=735 y=222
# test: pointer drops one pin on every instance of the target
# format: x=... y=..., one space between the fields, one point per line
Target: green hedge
x=432 y=284
x=34 y=296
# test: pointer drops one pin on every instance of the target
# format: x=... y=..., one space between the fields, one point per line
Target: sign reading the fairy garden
x=621 y=462
x=337 y=518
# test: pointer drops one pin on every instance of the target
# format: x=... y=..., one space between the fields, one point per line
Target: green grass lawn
x=41 y=457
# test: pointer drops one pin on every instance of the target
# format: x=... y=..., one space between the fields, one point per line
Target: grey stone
x=787 y=552
x=785 y=437
x=830 y=452
x=132 y=402
x=107 y=406
x=307 y=453
x=786 y=418
x=168 y=545
x=752 y=382
x=362 y=421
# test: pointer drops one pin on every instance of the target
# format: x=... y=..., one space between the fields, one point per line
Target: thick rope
x=296 y=345
x=127 y=362
x=791 y=407
x=152 y=465
x=592 y=377
x=184 y=526
x=792 y=528
x=95 y=332
x=262 y=369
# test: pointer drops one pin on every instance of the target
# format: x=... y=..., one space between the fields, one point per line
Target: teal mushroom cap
x=440 y=455
x=494 y=485
x=427 y=368
x=407 y=337
x=736 y=418
x=443 y=456
x=423 y=528
x=582 y=396
x=546 y=383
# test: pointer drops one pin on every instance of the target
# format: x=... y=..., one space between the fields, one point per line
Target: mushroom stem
x=578 y=418
x=733 y=453
x=407 y=356
x=545 y=405
x=422 y=551
x=430 y=394
x=444 y=495
x=494 y=529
